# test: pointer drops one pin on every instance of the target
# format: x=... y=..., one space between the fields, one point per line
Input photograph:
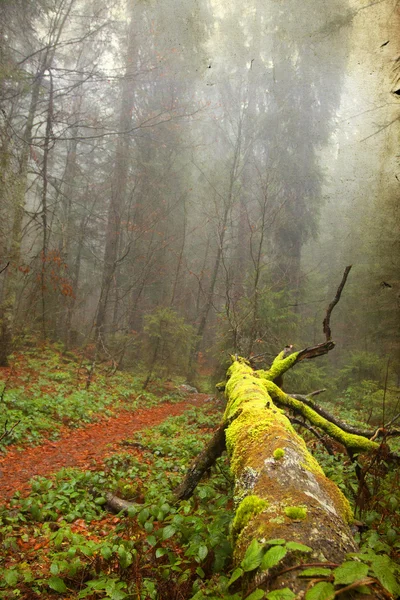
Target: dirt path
x=81 y=447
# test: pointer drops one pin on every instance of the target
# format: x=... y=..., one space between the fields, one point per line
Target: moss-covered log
x=280 y=489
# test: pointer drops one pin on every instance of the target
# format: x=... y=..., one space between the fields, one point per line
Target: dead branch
x=314 y=431
x=370 y=434
x=203 y=463
x=314 y=351
x=4 y=268
x=326 y=322
x=117 y=505
x=8 y=432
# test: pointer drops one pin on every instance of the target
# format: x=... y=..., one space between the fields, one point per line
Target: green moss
x=248 y=508
x=279 y=366
x=296 y=512
x=353 y=442
x=278 y=453
x=252 y=425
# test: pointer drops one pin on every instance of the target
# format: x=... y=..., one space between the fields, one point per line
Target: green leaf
x=149 y=526
x=100 y=501
x=160 y=552
x=200 y=572
x=151 y=540
x=11 y=577
x=57 y=584
x=54 y=569
x=272 y=557
x=382 y=567
x=283 y=594
x=276 y=542
x=235 y=575
x=256 y=595
x=298 y=547
x=349 y=572
x=168 y=532
x=253 y=556
x=321 y=591
x=143 y=515
x=132 y=510
x=106 y=552
x=315 y=572
x=202 y=553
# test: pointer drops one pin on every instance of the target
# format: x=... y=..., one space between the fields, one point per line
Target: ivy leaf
x=349 y=572
x=298 y=547
x=272 y=557
x=235 y=575
x=57 y=584
x=256 y=595
x=283 y=594
x=253 y=556
x=322 y=591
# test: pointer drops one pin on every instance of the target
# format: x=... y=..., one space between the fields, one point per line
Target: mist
x=185 y=180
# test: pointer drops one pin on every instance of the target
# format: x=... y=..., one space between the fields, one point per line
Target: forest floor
x=85 y=447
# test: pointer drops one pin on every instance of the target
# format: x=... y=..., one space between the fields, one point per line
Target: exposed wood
x=116 y=504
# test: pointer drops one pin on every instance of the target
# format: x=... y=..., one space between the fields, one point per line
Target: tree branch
x=326 y=322
x=203 y=462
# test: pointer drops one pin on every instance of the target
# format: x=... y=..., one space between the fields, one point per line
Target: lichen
x=278 y=453
x=248 y=508
x=296 y=512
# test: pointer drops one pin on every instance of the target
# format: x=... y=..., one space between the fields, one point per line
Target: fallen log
x=281 y=491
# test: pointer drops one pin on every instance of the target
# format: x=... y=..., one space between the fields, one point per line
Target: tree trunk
x=280 y=489
x=120 y=178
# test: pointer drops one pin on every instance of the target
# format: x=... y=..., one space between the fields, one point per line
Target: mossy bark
x=280 y=489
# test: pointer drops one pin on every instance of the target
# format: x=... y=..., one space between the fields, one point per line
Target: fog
x=189 y=178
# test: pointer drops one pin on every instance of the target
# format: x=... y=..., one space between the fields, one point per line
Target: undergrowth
x=45 y=390
x=62 y=542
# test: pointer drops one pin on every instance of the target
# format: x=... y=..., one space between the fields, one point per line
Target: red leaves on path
x=83 y=447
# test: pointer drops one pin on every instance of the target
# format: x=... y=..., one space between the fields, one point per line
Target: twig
x=317 y=434
x=384 y=393
x=316 y=393
x=393 y=420
x=8 y=432
x=326 y=324
x=4 y=268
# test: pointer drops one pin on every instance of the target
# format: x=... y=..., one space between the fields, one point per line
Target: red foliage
x=83 y=448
